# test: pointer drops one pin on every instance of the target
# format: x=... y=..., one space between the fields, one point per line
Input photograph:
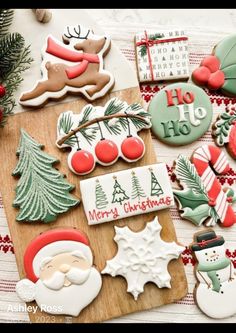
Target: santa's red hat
x=51 y=243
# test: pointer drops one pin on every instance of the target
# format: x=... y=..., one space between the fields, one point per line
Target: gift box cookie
x=162 y=55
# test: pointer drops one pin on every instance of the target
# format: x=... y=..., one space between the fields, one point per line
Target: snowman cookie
x=215 y=292
x=102 y=134
x=217 y=71
x=181 y=113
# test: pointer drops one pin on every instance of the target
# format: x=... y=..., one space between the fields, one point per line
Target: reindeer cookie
x=74 y=66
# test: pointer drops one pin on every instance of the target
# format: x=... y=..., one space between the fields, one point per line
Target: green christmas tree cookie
x=42 y=192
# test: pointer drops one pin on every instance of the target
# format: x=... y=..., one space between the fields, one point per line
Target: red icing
x=201 y=75
x=132 y=148
x=106 y=151
x=212 y=63
x=46 y=238
x=209 y=73
x=63 y=53
x=188 y=97
x=216 y=80
x=82 y=162
x=215 y=158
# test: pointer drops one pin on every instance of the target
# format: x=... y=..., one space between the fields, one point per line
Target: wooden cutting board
x=113 y=300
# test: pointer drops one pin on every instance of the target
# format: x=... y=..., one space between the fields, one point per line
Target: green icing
x=165 y=119
x=42 y=192
x=101 y=198
x=137 y=191
x=211 y=270
x=229 y=87
x=225 y=51
x=198 y=215
x=189 y=198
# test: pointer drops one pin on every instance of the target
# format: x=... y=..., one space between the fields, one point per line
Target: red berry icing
x=132 y=148
x=106 y=151
x=209 y=74
x=212 y=63
x=201 y=75
x=216 y=80
x=82 y=162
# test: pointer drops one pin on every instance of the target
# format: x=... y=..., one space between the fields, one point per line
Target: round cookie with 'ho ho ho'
x=181 y=113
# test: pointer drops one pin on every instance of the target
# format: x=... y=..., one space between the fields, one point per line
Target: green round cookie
x=181 y=113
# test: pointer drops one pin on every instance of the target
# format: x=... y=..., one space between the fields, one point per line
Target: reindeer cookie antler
x=74 y=66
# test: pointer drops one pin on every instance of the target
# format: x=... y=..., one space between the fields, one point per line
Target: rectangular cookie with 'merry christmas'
x=126 y=193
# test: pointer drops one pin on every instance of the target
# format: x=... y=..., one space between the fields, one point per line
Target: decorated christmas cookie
x=162 y=55
x=218 y=71
x=42 y=192
x=224 y=130
x=74 y=66
x=102 y=134
x=142 y=257
x=202 y=196
x=215 y=292
x=60 y=275
x=181 y=113
x=126 y=193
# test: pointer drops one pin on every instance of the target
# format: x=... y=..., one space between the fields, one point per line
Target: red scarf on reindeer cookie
x=61 y=52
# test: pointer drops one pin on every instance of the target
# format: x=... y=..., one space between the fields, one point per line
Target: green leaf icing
x=42 y=192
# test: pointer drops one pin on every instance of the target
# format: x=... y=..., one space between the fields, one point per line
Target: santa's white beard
x=75 y=275
x=68 y=300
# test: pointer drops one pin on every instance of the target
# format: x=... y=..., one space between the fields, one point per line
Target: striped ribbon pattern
x=203 y=158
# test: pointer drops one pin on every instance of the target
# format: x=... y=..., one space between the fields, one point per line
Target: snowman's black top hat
x=205 y=240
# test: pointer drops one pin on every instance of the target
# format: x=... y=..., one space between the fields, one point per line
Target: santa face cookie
x=60 y=275
x=217 y=71
x=142 y=257
x=202 y=197
x=74 y=66
x=181 y=113
x=215 y=292
x=102 y=134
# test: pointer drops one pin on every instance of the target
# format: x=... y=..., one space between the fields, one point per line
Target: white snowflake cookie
x=142 y=257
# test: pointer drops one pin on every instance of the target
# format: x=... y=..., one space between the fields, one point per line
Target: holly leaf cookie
x=218 y=71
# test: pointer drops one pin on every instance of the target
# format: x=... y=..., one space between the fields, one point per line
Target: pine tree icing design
x=102 y=134
x=42 y=192
x=195 y=203
x=118 y=194
x=155 y=186
x=101 y=198
x=137 y=191
x=142 y=257
x=224 y=130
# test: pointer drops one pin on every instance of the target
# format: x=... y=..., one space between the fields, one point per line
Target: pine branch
x=6 y=17
x=96 y=120
x=188 y=176
x=11 y=46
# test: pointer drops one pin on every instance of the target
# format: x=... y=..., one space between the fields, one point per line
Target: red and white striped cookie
x=209 y=160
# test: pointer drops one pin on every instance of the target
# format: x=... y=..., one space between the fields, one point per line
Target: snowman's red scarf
x=63 y=53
